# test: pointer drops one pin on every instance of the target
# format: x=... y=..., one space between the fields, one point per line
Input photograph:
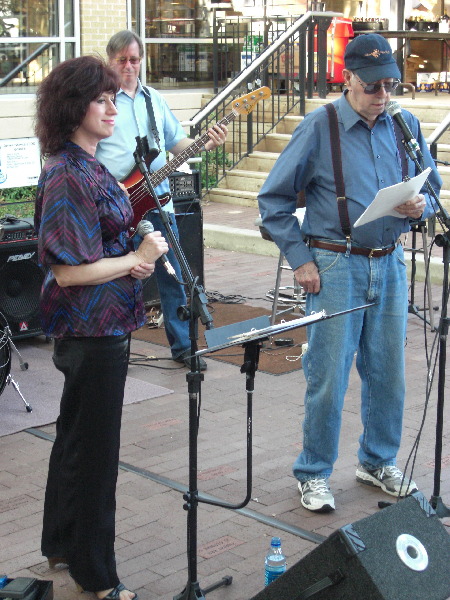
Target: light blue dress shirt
x=116 y=152
x=370 y=162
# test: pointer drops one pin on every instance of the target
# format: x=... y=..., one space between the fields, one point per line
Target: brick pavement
x=151 y=522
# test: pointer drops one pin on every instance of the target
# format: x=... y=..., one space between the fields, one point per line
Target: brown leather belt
x=370 y=252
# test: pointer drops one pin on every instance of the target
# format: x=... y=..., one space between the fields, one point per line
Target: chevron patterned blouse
x=81 y=216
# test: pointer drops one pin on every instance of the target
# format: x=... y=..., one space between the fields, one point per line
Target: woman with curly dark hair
x=91 y=300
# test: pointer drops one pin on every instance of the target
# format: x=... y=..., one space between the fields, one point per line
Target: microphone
x=393 y=109
x=144 y=227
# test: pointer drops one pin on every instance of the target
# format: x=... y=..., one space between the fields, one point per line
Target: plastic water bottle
x=275 y=562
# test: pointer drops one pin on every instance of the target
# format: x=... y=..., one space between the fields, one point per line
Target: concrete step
x=236 y=239
x=444 y=172
x=444 y=152
x=230 y=196
x=274 y=142
x=429 y=128
x=259 y=161
x=243 y=180
x=288 y=124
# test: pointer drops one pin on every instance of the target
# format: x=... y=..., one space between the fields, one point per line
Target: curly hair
x=63 y=98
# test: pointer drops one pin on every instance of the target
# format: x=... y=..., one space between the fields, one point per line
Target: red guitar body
x=141 y=199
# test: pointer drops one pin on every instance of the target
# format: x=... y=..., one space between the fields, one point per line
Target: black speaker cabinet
x=399 y=553
x=20 y=280
x=188 y=215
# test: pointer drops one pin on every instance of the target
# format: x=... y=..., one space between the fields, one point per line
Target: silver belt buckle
x=375 y=250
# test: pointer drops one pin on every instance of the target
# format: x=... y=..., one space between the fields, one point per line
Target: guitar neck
x=158 y=176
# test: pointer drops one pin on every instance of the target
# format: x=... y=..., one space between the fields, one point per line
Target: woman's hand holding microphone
x=153 y=246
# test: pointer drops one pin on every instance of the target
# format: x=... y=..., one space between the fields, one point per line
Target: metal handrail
x=270 y=51
x=25 y=62
x=290 y=57
x=434 y=137
x=439 y=131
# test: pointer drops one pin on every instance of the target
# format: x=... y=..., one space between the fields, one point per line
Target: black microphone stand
x=420 y=227
x=443 y=241
x=196 y=309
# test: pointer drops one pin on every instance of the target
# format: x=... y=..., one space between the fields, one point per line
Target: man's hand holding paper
x=412 y=208
x=400 y=200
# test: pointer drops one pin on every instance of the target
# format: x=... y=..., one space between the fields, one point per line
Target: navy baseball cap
x=370 y=56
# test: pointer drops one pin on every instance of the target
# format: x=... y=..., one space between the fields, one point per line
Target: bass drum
x=5 y=353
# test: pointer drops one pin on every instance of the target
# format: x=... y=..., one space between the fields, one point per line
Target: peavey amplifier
x=20 y=276
x=184 y=186
x=15 y=229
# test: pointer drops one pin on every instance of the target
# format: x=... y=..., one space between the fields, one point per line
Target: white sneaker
x=316 y=495
x=389 y=478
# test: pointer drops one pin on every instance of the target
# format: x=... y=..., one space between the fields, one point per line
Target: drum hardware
x=7 y=346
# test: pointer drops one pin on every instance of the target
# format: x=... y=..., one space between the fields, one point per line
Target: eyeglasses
x=374 y=88
x=134 y=60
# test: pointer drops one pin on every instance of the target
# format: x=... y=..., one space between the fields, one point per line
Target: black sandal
x=115 y=593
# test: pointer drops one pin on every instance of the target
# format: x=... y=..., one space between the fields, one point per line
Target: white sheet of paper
x=388 y=198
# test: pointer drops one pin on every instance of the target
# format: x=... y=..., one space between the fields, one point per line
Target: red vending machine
x=340 y=32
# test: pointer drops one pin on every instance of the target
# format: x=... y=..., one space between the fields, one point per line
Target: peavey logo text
x=16 y=257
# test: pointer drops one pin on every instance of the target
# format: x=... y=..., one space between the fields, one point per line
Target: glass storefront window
x=27 y=31
x=178 y=37
x=28 y=18
x=70 y=50
x=171 y=65
x=187 y=18
x=69 y=26
x=12 y=55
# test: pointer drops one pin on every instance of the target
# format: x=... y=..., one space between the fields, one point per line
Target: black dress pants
x=80 y=504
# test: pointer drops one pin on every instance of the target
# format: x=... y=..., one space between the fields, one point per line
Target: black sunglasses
x=374 y=88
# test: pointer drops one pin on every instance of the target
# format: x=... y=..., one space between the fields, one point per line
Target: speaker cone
x=20 y=287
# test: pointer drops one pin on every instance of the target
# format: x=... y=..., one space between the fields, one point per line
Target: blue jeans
x=171 y=293
x=377 y=336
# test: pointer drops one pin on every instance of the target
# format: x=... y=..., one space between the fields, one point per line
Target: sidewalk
x=151 y=522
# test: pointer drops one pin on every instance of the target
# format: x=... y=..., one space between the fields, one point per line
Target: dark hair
x=63 y=98
x=122 y=40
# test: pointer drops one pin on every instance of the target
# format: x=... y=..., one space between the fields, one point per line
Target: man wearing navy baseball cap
x=370 y=57
x=370 y=65
x=342 y=267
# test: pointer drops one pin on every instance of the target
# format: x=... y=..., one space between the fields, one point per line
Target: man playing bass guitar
x=164 y=132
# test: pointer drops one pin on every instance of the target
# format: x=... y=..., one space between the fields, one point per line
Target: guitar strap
x=151 y=116
x=337 y=165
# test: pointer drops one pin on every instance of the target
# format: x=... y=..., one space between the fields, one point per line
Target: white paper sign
x=20 y=163
x=388 y=198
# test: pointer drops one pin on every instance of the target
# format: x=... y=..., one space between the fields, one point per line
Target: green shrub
x=212 y=167
x=17 y=201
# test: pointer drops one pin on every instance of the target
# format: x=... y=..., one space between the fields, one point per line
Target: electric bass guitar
x=140 y=197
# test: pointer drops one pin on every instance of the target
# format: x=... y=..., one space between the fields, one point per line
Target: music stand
x=250 y=334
